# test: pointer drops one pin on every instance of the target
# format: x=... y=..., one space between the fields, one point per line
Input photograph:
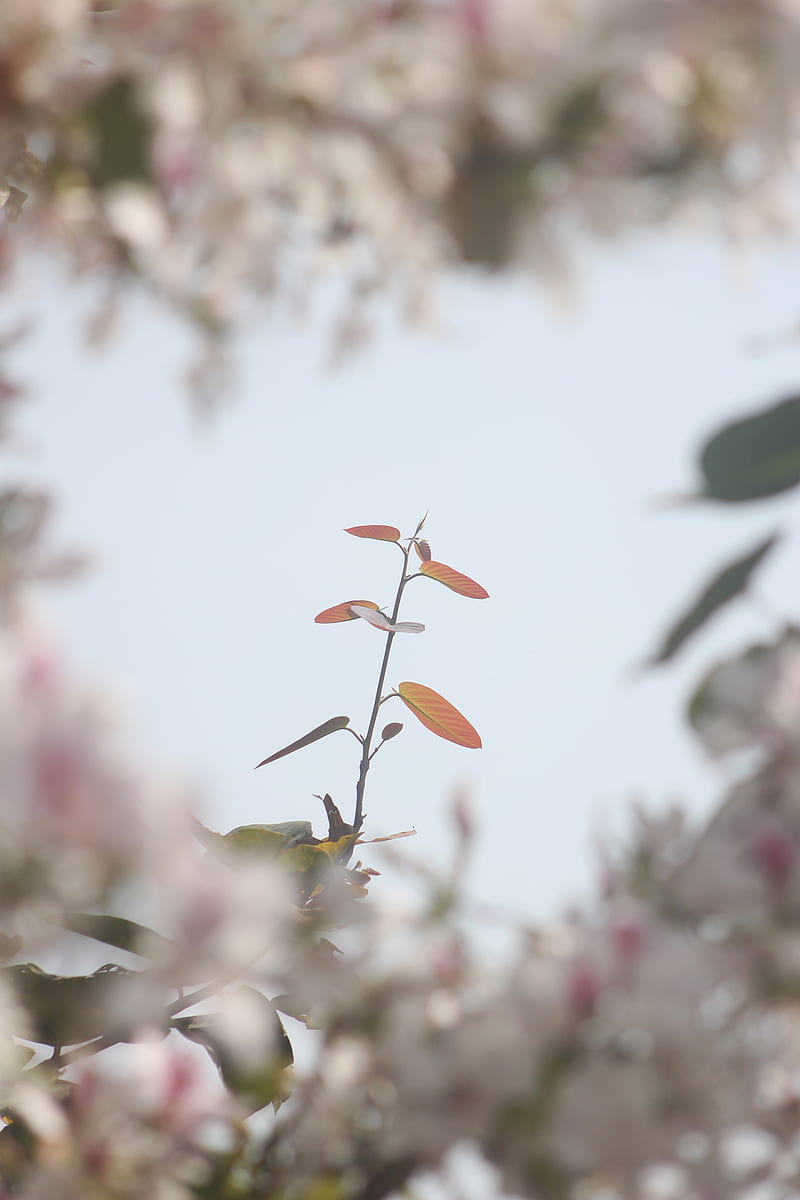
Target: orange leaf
x=454 y=580
x=423 y=550
x=381 y=533
x=341 y=612
x=439 y=715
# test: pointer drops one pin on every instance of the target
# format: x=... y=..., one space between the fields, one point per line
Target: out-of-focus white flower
x=272 y=139
x=751 y=701
x=223 y=916
x=169 y=1082
x=136 y=1125
x=76 y=816
x=136 y=217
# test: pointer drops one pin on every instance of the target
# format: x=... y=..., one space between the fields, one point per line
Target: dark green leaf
x=256 y=1079
x=321 y=731
x=64 y=1010
x=725 y=586
x=754 y=457
x=121 y=933
x=121 y=133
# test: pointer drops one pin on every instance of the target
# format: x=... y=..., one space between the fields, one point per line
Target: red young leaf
x=341 y=612
x=423 y=549
x=380 y=533
x=391 y=730
x=454 y=580
x=321 y=731
x=439 y=715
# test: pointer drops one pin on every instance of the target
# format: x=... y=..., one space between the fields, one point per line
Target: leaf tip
x=668 y=501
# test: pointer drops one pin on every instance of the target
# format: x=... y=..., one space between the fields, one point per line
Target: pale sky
x=537 y=441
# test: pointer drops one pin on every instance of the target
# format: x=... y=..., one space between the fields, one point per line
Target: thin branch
x=377 y=748
x=366 y=757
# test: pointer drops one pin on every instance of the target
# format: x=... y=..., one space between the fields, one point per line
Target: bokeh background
x=541 y=438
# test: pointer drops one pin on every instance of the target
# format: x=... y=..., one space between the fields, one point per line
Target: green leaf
x=309 y=860
x=725 y=586
x=321 y=731
x=256 y=1080
x=121 y=933
x=271 y=838
x=755 y=457
x=64 y=1010
x=121 y=133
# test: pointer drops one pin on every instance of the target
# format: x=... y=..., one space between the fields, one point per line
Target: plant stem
x=358 y=817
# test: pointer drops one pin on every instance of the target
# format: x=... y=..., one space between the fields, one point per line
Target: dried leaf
x=321 y=731
x=388 y=837
x=337 y=826
x=439 y=715
x=454 y=580
x=341 y=612
x=379 y=533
